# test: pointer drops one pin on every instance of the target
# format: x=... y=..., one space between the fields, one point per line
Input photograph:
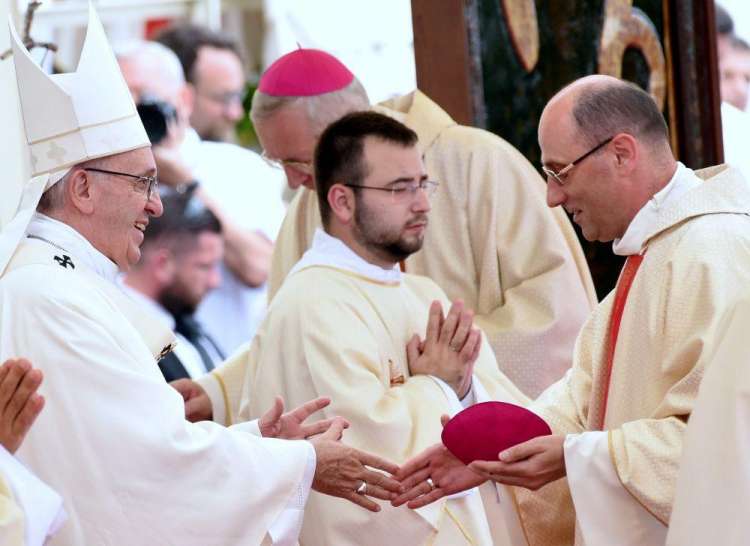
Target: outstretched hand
x=289 y=426
x=341 y=470
x=449 y=476
x=20 y=404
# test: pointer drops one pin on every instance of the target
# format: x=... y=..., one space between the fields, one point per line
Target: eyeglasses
x=557 y=176
x=145 y=184
x=226 y=99
x=305 y=167
x=406 y=191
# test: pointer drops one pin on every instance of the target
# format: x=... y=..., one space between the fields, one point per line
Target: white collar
x=329 y=251
x=67 y=238
x=151 y=306
x=683 y=180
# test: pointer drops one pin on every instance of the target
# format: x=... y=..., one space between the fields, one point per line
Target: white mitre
x=69 y=119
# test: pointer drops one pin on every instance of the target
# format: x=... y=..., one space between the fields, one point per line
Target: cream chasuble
x=713 y=484
x=339 y=328
x=112 y=439
x=697 y=255
x=492 y=241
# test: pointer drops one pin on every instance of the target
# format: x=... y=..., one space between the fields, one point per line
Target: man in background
x=213 y=66
x=179 y=265
x=232 y=182
x=734 y=72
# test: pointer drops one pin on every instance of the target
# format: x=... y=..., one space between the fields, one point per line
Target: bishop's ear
x=625 y=149
x=79 y=190
x=341 y=201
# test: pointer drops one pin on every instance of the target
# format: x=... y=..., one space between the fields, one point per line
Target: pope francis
x=113 y=441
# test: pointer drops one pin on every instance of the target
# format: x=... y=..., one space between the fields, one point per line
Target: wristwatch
x=187 y=189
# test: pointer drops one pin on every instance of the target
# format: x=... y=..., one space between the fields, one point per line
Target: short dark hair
x=183 y=220
x=602 y=111
x=724 y=22
x=339 y=154
x=185 y=40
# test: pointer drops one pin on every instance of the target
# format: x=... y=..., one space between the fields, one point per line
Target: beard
x=388 y=243
x=175 y=299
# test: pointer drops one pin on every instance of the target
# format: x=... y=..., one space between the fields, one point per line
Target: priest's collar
x=63 y=236
x=328 y=251
x=683 y=180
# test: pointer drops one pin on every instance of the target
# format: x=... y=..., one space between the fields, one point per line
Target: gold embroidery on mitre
x=397 y=376
x=57 y=153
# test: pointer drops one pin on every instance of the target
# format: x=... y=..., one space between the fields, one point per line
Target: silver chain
x=48 y=242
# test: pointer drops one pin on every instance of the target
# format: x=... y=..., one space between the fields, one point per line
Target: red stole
x=621 y=297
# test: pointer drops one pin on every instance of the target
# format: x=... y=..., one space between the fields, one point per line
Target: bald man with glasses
x=619 y=416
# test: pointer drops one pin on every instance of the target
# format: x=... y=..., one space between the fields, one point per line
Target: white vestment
x=249 y=192
x=713 y=484
x=112 y=439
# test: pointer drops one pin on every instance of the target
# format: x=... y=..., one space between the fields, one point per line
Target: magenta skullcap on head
x=303 y=73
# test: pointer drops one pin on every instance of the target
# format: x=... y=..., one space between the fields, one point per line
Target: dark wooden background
x=467 y=62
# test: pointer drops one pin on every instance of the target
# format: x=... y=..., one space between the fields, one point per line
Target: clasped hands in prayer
x=450 y=348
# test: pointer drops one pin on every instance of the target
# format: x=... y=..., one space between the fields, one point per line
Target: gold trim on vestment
x=431 y=541
x=97 y=156
x=351 y=274
x=461 y=527
x=614 y=463
x=79 y=129
x=226 y=398
x=518 y=511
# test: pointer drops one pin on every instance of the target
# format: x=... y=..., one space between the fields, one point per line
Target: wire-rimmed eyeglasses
x=304 y=167
x=404 y=191
x=145 y=184
x=557 y=176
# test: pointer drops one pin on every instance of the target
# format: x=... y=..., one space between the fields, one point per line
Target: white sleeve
x=606 y=512
x=213 y=389
x=287 y=527
x=458 y=405
x=41 y=505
